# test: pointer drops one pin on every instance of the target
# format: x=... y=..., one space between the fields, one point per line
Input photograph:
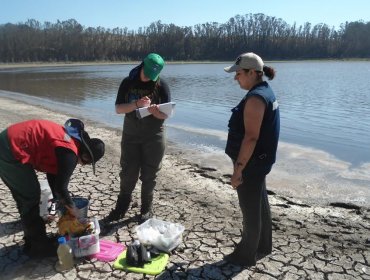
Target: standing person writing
x=252 y=143
x=143 y=140
x=45 y=146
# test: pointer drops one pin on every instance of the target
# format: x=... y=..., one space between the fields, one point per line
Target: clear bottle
x=65 y=255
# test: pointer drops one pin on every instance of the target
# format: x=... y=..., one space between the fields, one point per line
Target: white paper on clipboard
x=166 y=108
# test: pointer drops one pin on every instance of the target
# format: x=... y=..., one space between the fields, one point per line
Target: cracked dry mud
x=309 y=241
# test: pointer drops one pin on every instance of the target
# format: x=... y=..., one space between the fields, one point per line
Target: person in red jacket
x=44 y=146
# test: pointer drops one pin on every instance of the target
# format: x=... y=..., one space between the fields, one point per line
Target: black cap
x=95 y=147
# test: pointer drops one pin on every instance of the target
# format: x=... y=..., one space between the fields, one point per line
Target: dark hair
x=269 y=72
x=135 y=72
x=135 y=75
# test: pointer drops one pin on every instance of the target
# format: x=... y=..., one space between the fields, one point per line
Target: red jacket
x=34 y=142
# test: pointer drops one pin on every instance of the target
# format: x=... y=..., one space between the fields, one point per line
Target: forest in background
x=270 y=37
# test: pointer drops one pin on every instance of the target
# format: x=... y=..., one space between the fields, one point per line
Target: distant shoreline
x=83 y=63
x=88 y=63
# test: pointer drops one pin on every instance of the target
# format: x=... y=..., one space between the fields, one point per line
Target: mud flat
x=309 y=241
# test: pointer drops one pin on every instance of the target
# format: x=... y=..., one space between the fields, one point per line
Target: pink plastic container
x=109 y=251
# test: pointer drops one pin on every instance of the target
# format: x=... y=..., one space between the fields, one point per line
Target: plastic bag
x=164 y=236
x=47 y=204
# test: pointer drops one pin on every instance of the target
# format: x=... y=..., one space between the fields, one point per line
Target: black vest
x=264 y=154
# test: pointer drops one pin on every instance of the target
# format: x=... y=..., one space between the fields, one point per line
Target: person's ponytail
x=269 y=72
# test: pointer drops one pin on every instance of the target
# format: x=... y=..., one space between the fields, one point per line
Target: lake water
x=324 y=152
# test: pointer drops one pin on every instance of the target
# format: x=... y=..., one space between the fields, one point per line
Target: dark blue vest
x=264 y=154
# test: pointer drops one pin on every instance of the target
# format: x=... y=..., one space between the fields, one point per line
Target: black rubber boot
x=119 y=211
x=37 y=243
x=41 y=248
x=240 y=258
x=146 y=211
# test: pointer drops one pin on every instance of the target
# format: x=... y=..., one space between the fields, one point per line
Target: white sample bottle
x=65 y=255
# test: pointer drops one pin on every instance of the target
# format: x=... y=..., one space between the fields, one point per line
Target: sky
x=141 y=13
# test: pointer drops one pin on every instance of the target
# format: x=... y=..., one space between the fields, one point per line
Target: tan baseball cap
x=246 y=61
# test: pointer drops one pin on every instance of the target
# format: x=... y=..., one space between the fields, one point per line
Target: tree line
x=271 y=37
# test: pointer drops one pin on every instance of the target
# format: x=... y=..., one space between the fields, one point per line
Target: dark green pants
x=20 y=178
x=22 y=181
x=140 y=156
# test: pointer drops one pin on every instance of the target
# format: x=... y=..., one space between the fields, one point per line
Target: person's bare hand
x=236 y=180
x=154 y=110
x=72 y=210
x=143 y=102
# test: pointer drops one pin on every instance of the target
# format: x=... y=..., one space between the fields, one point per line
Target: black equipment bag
x=137 y=255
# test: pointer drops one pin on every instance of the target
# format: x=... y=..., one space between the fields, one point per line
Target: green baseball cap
x=153 y=65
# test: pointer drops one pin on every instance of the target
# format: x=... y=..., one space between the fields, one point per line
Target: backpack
x=137 y=255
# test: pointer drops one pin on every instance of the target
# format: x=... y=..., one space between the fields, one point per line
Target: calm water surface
x=324 y=112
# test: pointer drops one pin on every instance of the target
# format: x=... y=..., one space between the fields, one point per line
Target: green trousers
x=141 y=156
x=20 y=178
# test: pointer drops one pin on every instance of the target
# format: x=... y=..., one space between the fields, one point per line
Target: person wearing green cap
x=143 y=142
